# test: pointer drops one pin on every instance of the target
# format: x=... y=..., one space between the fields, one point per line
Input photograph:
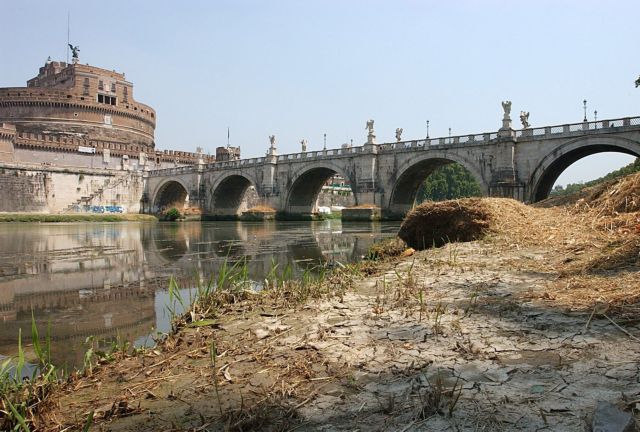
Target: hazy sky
x=302 y=68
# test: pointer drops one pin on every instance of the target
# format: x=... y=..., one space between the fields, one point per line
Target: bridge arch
x=412 y=172
x=306 y=184
x=554 y=163
x=172 y=192
x=227 y=194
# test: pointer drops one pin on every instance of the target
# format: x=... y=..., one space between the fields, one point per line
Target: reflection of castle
x=102 y=279
x=124 y=313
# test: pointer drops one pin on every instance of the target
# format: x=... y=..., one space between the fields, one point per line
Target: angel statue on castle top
x=74 y=52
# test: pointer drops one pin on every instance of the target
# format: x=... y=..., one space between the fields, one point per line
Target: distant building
x=227 y=153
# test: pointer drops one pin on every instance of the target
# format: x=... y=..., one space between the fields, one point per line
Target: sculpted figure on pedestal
x=506 y=106
x=399 y=134
x=369 y=126
x=74 y=52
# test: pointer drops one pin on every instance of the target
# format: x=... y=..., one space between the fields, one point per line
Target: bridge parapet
x=168 y=172
x=545 y=132
x=577 y=129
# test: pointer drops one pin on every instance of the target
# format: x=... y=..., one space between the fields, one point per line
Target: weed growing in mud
x=231 y=287
x=439 y=397
x=214 y=355
x=21 y=394
x=473 y=302
x=271 y=414
x=439 y=311
x=453 y=254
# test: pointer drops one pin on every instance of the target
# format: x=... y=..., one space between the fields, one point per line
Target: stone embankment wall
x=329 y=198
x=55 y=190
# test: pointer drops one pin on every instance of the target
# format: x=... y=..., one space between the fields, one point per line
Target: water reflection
x=109 y=280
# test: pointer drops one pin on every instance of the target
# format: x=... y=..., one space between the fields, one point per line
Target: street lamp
x=449 y=132
x=325 y=142
x=595 y=115
x=584 y=102
x=427 y=129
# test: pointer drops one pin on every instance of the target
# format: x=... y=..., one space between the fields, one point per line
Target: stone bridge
x=522 y=164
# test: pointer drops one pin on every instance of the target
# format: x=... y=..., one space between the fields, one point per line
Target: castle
x=82 y=120
x=71 y=110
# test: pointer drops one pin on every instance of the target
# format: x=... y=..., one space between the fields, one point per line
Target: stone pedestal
x=361 y=214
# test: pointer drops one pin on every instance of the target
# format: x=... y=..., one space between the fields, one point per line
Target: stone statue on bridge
x=506 y=106
x=399 y=134
x=303 y=143
x=272 y=148
x=371 y=136
x=524 y=119
x=638 y=82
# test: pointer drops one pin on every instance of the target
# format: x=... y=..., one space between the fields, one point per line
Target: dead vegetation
x=260 y=209
x=434 y=224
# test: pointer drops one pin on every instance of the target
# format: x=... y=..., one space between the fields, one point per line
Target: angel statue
x=506 y=106
x=74 y=52
x=272 y=140
x=638 y=82
x=304 y=145
x=370 y=126
x=399 y=134
x=524 y=119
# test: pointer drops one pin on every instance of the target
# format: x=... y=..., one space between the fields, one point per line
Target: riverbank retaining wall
x=26 y=189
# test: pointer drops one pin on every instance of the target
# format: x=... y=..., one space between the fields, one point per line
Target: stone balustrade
x=546 y=132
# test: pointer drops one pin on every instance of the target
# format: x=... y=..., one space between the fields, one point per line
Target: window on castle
x=85 y=91
x=113 y=87
x=100 y=85
x=109 y=100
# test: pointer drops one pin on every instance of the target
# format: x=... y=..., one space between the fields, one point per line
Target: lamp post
x=325 y=142
x=595 y=115
x=449 y=133
x=584 y=103
x=427 y=129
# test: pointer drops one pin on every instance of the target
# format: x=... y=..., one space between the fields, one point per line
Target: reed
x=20 y=393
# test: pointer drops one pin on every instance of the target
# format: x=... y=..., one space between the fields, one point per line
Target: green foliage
x=173 y=214
x=451 y=181
x=20 y=394
x=572 y=188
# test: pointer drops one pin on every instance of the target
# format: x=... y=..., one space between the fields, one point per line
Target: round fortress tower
x=81 y=101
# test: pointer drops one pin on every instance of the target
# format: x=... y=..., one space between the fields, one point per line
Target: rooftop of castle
x=59 y=74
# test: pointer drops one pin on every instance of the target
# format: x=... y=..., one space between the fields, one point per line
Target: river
x=109 y=280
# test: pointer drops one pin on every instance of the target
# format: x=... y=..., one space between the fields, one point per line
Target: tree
x=451 y=181
x=633 y=167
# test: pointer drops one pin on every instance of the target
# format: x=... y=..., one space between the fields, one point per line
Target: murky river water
x=109 y=280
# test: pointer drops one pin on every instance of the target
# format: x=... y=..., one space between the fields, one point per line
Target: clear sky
x=302 y=68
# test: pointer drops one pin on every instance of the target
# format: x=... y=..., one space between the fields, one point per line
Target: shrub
x=172 y=214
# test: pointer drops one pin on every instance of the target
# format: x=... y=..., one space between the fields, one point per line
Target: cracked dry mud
x=485 y=349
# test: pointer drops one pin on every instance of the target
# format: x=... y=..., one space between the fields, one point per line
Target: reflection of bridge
x=522 y=164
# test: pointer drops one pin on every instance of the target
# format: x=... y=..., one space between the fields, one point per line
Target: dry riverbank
x=525 y=329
